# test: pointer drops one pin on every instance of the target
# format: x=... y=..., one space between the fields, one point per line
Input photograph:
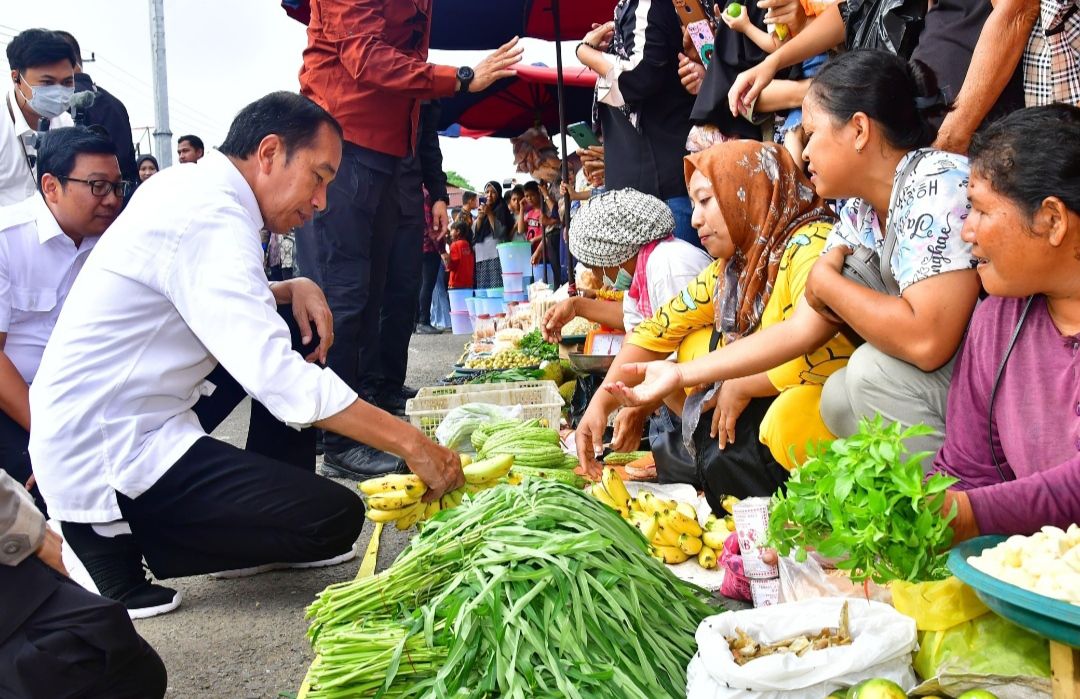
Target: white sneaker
x=267 y=567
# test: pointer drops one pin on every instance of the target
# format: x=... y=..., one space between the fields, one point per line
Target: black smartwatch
x=465 y=76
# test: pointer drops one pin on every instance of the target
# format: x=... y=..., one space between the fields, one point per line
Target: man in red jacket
x=366 y=63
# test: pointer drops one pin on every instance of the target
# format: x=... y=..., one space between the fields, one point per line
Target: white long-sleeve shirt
x=17 y=179
x=174 y=287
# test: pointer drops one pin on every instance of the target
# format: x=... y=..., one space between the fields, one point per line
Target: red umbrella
x=513 y=105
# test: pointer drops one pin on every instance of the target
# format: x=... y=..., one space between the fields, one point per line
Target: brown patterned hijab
x=765 y=198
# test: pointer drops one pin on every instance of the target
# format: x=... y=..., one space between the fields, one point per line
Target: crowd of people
x=815 y=227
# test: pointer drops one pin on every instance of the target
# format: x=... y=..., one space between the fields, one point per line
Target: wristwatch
x=465 y=76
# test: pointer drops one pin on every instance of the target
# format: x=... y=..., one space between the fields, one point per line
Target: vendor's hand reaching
x=730 y=401
x=589 y=439
x=310 y=309
x=691 y=74
x=437 y=466
x=629 y=427
x=497 y=65
x=556 y=318
x=660 y=379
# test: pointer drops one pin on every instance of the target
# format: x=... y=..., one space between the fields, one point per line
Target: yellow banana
x=488 y=469
x=648 y=502
x=665 y=536
x=394 y=481
x=729 y=504
x=730 y=523
x=714 y=539
x=649 y=528
x=598 y=492
x=690 y=545
x=386 y=515
x=615 y=487
x=710 y=521
x=706 y=558
x=514 y=478
x=466 y=459
x=687 y=510
x=433 y=508
x=681 y=523
x=665 y=504
x=411 y=517
x=392 y=499
x=671 y=554
x=635 y=506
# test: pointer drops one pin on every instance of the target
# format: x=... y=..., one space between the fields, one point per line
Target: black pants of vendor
x=57 y=640
x=15 y=455
x=744 y=468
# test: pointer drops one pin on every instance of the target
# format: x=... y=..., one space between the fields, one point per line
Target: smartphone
x=582 y=135
x=690 y=11
x=701 y=34
x=482 y=200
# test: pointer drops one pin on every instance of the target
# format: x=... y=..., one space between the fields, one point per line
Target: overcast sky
x=221 y=55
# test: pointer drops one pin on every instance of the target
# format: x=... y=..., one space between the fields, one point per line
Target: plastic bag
x=883 y=642
x=458 y=425
x=810 y=580
x=963 y=646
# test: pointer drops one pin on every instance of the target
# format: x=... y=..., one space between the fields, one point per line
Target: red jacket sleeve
x=357 y=28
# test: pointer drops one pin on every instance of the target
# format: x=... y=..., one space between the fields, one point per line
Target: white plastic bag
x=457 y=427
x=883 y=640
x=810 y=580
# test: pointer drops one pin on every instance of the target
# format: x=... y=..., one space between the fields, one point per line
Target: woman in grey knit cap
x=627 y=237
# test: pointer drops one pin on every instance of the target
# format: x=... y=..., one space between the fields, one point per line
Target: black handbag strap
x=892 y=228
x=997 y=382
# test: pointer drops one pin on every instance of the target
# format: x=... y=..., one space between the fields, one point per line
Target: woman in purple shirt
x=1012 y=432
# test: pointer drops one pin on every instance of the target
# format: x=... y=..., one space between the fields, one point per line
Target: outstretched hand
x=659 y=380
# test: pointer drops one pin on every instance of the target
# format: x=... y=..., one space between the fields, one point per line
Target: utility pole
x=162 y=133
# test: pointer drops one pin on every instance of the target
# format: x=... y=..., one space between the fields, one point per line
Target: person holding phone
x=643 y=109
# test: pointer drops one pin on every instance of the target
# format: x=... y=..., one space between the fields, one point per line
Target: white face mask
x=48 y=101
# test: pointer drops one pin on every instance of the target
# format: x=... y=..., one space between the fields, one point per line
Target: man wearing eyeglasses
x=44 y=242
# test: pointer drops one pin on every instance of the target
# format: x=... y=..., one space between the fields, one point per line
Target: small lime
x=734 y=9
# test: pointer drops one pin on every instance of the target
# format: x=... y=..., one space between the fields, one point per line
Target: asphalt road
x=237 y=639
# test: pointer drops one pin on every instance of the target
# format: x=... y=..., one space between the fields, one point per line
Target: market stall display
x=572 y=605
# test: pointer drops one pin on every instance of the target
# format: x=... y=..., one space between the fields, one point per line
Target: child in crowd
x=459 y=261
x=768 y=41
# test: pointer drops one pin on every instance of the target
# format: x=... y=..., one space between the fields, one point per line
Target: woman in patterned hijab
x=763 y=197
x=758 y=215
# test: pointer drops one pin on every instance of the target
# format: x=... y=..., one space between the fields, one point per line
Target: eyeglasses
x=100 y=188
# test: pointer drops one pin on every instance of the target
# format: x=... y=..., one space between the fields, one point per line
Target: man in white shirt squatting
x=176 y=288
x=44 y=242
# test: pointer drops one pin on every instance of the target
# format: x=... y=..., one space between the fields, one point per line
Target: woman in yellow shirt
x=759 y=216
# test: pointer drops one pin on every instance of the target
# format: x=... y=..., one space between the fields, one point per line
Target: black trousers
x=429 y=273
x=73 y=643
x=346 y=251
x=15 y=455
x=744 y=468
x=220 y=507
x=397 y=318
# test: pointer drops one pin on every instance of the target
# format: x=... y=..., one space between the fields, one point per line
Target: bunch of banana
x=717 y=531
x=670 y=527
x=398 y=497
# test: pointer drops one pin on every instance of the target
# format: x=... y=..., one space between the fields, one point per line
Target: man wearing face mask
x=43 y=81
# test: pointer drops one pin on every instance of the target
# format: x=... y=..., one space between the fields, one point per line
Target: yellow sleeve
x=802 y=252
x=689 y=310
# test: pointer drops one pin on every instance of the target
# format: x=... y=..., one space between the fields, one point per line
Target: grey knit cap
x=612 y=227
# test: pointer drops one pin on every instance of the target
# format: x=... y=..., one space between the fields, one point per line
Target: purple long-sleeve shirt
x=1036 y=429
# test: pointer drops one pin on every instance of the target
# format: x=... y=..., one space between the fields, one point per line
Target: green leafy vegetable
x=533 y=345
x=864 y=500
x=508 y=375
x=532 y=591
